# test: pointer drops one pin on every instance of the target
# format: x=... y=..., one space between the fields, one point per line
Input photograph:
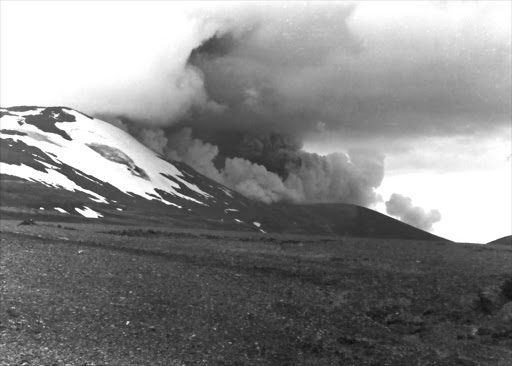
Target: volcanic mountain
x=58 y=164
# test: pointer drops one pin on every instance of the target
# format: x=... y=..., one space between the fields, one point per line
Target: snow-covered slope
x=95 y=149
x=66 y=150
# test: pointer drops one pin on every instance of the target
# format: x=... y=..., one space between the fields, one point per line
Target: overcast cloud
x=363 y=69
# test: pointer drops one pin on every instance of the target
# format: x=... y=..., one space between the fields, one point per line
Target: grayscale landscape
x=255 y=183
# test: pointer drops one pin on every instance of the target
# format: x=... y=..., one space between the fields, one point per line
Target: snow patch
x=226 y=192
x=98 y=200
x=257 y=224
x=87 y=212
x=239 y=221
x=61 y=210
x=51 y=177
x=48 y=166
x=28 y=112
x=80 y=174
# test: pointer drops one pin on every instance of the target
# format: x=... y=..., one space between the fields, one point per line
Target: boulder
x=490 y=300
x=506 y=288
x=505 y=313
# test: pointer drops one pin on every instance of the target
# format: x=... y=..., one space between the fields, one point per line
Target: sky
x=403 y=107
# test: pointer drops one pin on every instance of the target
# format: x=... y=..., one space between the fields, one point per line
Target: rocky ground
x=81 y=294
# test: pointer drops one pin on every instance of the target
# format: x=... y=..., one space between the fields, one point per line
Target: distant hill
x=506 y=240
x=342 y=219
x=57 y=164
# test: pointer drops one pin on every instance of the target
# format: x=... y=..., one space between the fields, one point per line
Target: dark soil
x=82 y=294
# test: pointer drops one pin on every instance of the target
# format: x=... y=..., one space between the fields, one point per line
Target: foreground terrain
x=83 y=294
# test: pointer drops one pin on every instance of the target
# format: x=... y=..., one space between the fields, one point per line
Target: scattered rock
x=428 y=311
x=506 y=288
x=462 y=361
x=27 y=222
x=470 y=302
x=502 y=331
x=483 y=331
x=470 y=333
x=490 y=300
x=506 y=313
x=13 y=312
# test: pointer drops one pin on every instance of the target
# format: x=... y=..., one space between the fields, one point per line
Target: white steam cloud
x=402 y=207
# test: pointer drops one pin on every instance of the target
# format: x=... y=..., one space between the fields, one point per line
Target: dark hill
x=342 y=219
x=506 y=240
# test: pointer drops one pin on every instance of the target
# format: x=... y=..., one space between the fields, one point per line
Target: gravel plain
x=91 y=294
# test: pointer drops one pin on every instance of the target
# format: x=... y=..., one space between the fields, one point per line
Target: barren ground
x=84 y=294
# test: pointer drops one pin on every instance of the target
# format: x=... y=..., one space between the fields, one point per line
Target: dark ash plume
x=272 y=168
x=248 y=129
x=253 y=87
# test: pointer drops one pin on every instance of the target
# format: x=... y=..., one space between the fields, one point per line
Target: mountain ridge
x=60 y=164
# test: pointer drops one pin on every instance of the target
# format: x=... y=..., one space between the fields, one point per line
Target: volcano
x=58 y=164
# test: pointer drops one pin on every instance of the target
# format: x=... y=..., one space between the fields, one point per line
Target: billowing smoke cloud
x=337 y=177
x=360 y=73
x=402 y=207
x=182 y=146
x=361 y=68
x=255 y=80
x=273 y=168
x=256 y=182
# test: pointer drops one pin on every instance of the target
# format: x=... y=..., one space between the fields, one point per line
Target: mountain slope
x=59 y=164
x=89 y=163
x=506 y=240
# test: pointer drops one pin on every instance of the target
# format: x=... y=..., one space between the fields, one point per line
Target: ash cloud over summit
x=237 y=89
x=362 y=69
x=269 y=168
x=252 y=142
